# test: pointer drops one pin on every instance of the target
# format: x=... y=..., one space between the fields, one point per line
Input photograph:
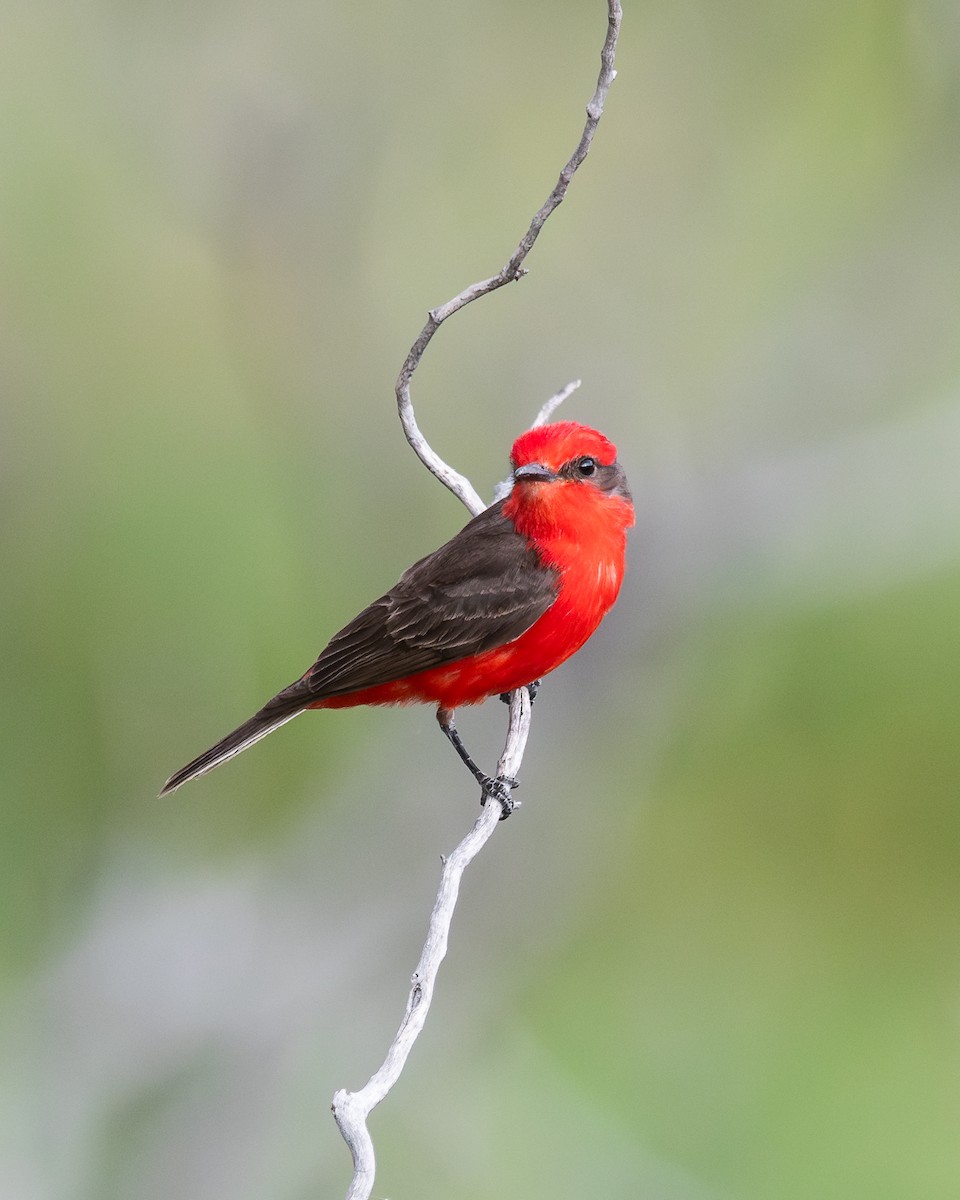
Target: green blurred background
x=716 y=955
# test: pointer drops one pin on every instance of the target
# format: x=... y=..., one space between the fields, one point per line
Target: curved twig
x=511 y=271
x=351 y=1109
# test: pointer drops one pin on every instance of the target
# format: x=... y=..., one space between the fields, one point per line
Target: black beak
x=533 y=473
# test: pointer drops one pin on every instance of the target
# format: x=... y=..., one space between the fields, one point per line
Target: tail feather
x=269 y=718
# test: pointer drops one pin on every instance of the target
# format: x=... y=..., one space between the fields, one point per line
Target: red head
x=554 y=445
x=555 y=466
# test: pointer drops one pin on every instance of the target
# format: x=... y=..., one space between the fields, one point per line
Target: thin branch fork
x=351 y=1109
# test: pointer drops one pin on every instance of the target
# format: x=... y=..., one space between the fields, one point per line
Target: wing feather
x=482 y=589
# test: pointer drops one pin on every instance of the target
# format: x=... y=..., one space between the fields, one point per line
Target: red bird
x=517 y=591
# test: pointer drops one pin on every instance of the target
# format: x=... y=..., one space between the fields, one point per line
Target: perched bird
x=517 y=591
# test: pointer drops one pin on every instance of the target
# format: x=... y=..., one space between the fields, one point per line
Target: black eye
x=586 y=465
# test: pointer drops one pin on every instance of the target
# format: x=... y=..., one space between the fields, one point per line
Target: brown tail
x=289 y=703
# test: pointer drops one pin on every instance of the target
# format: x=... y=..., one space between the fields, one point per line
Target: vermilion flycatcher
x=518 y=590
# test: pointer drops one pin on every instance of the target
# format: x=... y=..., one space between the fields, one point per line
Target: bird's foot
x=532 y=688
x=499 y=789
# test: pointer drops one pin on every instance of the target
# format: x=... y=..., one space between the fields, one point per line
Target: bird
x=503 y=603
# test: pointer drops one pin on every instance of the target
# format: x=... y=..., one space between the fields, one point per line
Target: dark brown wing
x=482 y=589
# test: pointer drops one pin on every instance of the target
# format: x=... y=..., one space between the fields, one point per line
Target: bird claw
x=499 y=789
x=532 y=688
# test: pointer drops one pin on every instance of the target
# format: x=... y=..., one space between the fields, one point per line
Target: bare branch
x=548 y=409
x=502 y=489
x=351 y=1109
x=512 y=270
